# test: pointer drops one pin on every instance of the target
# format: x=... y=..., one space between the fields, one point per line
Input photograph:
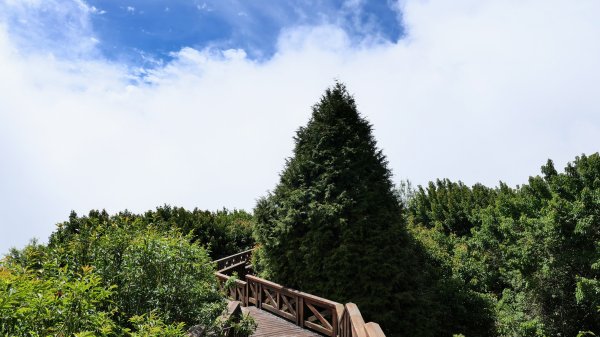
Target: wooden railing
x=239 y=292
x=305 y=310
x=233 y=261
x=353 y=325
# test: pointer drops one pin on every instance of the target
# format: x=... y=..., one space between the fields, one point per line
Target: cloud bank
x=479 y=91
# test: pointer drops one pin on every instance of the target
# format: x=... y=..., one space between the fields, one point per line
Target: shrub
x=168 y=273
x=52 y=301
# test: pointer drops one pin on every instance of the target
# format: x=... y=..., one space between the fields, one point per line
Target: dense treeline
x=441 y=260
x=533 y=251
x=123 y=275
x=332 y=226
x=224 y=232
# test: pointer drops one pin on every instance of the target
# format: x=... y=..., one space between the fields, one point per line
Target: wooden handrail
x=237 y=293
x=374 y=330
x=233 y=260
x=306 y=310
x=352 y=324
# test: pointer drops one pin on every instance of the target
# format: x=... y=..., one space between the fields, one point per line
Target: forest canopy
x=438 y=260
x=122 y=275
x=443 y=259
x=533 y=250
x=333 y=226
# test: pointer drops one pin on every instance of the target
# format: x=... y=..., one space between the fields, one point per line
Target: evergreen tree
x=533 y=250
x=333 y=226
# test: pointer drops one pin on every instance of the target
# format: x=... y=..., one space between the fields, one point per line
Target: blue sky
x=127 y=29
x=141 y=32
x=127 y=105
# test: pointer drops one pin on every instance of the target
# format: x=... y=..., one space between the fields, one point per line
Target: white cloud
x=95 y=10
x=56 y=27
x=478 y=91
x=204 y=7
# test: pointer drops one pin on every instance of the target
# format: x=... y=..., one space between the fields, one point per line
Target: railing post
x=259 y=295
x=334 y=321
x=346 y=320
x=301 y=312
x=297 y=299
x=247 y=293
x=278 y=301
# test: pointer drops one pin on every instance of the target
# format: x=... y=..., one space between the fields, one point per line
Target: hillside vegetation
x=438 y=260
x=444 y=259
x=333 y=226
x=122 y=275
x=530 y=253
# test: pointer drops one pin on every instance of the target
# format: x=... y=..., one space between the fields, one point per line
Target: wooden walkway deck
x=289 y=312
x=270 y=325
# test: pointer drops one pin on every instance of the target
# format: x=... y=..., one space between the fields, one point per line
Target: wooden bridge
x=280 y=311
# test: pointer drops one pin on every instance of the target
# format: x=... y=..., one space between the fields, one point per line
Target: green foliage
x=585 y=333
x=151 y=325
x=332 y=225
x=535 y=248
x=244 y=327
x=453 y=205
x=224 y=232
x=120 y=275
x=404 y=192
x=588 y=291
x=151 y=267
x=442 y=260
x=230 y=283
x=503 y=261
x=51 y=300
x=233 y=326
x=167 y=273
x=513 y=318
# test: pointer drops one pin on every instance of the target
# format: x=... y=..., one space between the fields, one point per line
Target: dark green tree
x=534 y=249
x=333 y=225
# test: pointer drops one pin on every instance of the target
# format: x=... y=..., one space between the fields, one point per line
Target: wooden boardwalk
x=288 y=312
x=270 y=325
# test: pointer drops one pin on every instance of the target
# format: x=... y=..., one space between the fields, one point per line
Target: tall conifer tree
x=333 y=226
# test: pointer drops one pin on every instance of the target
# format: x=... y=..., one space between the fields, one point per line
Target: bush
x=150 y=325
x=222 y=232
x=152 y=269
x=168 y=273
x=109 y=281
x=52 y=301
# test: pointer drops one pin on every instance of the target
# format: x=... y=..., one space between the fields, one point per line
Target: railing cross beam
x=330 y=318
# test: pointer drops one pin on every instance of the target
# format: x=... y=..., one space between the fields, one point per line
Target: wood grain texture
x=272 y=326
x=300 y=311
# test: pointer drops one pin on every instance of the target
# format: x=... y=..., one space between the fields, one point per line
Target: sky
x=133 y=104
